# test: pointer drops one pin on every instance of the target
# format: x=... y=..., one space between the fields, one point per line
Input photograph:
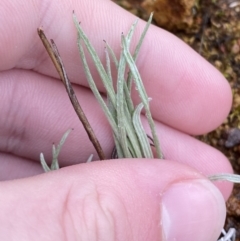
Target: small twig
x=57 y=61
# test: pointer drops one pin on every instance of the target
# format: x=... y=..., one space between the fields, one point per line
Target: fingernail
x=192 y=210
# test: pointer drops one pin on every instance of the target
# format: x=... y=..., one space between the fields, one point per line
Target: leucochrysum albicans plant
x=131 y=140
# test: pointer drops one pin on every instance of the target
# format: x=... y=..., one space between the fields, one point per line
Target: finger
x=121 y=200
x=14 y=167
x=37 y=113
x=40 y=113
x=186 y=90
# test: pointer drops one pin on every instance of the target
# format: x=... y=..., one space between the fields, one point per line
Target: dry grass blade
x=57 y=61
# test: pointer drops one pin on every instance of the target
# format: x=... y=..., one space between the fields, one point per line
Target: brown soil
x=213 y=30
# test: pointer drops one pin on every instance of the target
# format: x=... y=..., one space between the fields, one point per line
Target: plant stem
x=57 y=61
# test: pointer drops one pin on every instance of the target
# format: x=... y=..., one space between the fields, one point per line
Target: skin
x=109 y=200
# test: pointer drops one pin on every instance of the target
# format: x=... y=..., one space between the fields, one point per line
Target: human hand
x=107 y=200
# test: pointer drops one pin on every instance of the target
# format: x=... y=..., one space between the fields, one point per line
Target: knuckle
x=95 y=215
x=13 y=125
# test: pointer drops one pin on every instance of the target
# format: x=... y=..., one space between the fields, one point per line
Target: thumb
x=135 y=200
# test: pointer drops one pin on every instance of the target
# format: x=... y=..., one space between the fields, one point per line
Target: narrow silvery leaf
x=118 y=148
x=131 y=32
x=126 y=91
x=143 y=96
x=143 y=140
x=108 y=68
x=136 y=150
x=122 y=112
x=90 y=158
x=120 y=107
x=228 y=236
x=129 y=79
x=115 y=61
x=63 y=139
x=134 y=71
x=109 y=103
x=225 y=177
x=96 y=61
x=124 y=100
x=142 y=37
x=123 y=116
x=95 y=91
x=44 y=164
x=55 y=152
